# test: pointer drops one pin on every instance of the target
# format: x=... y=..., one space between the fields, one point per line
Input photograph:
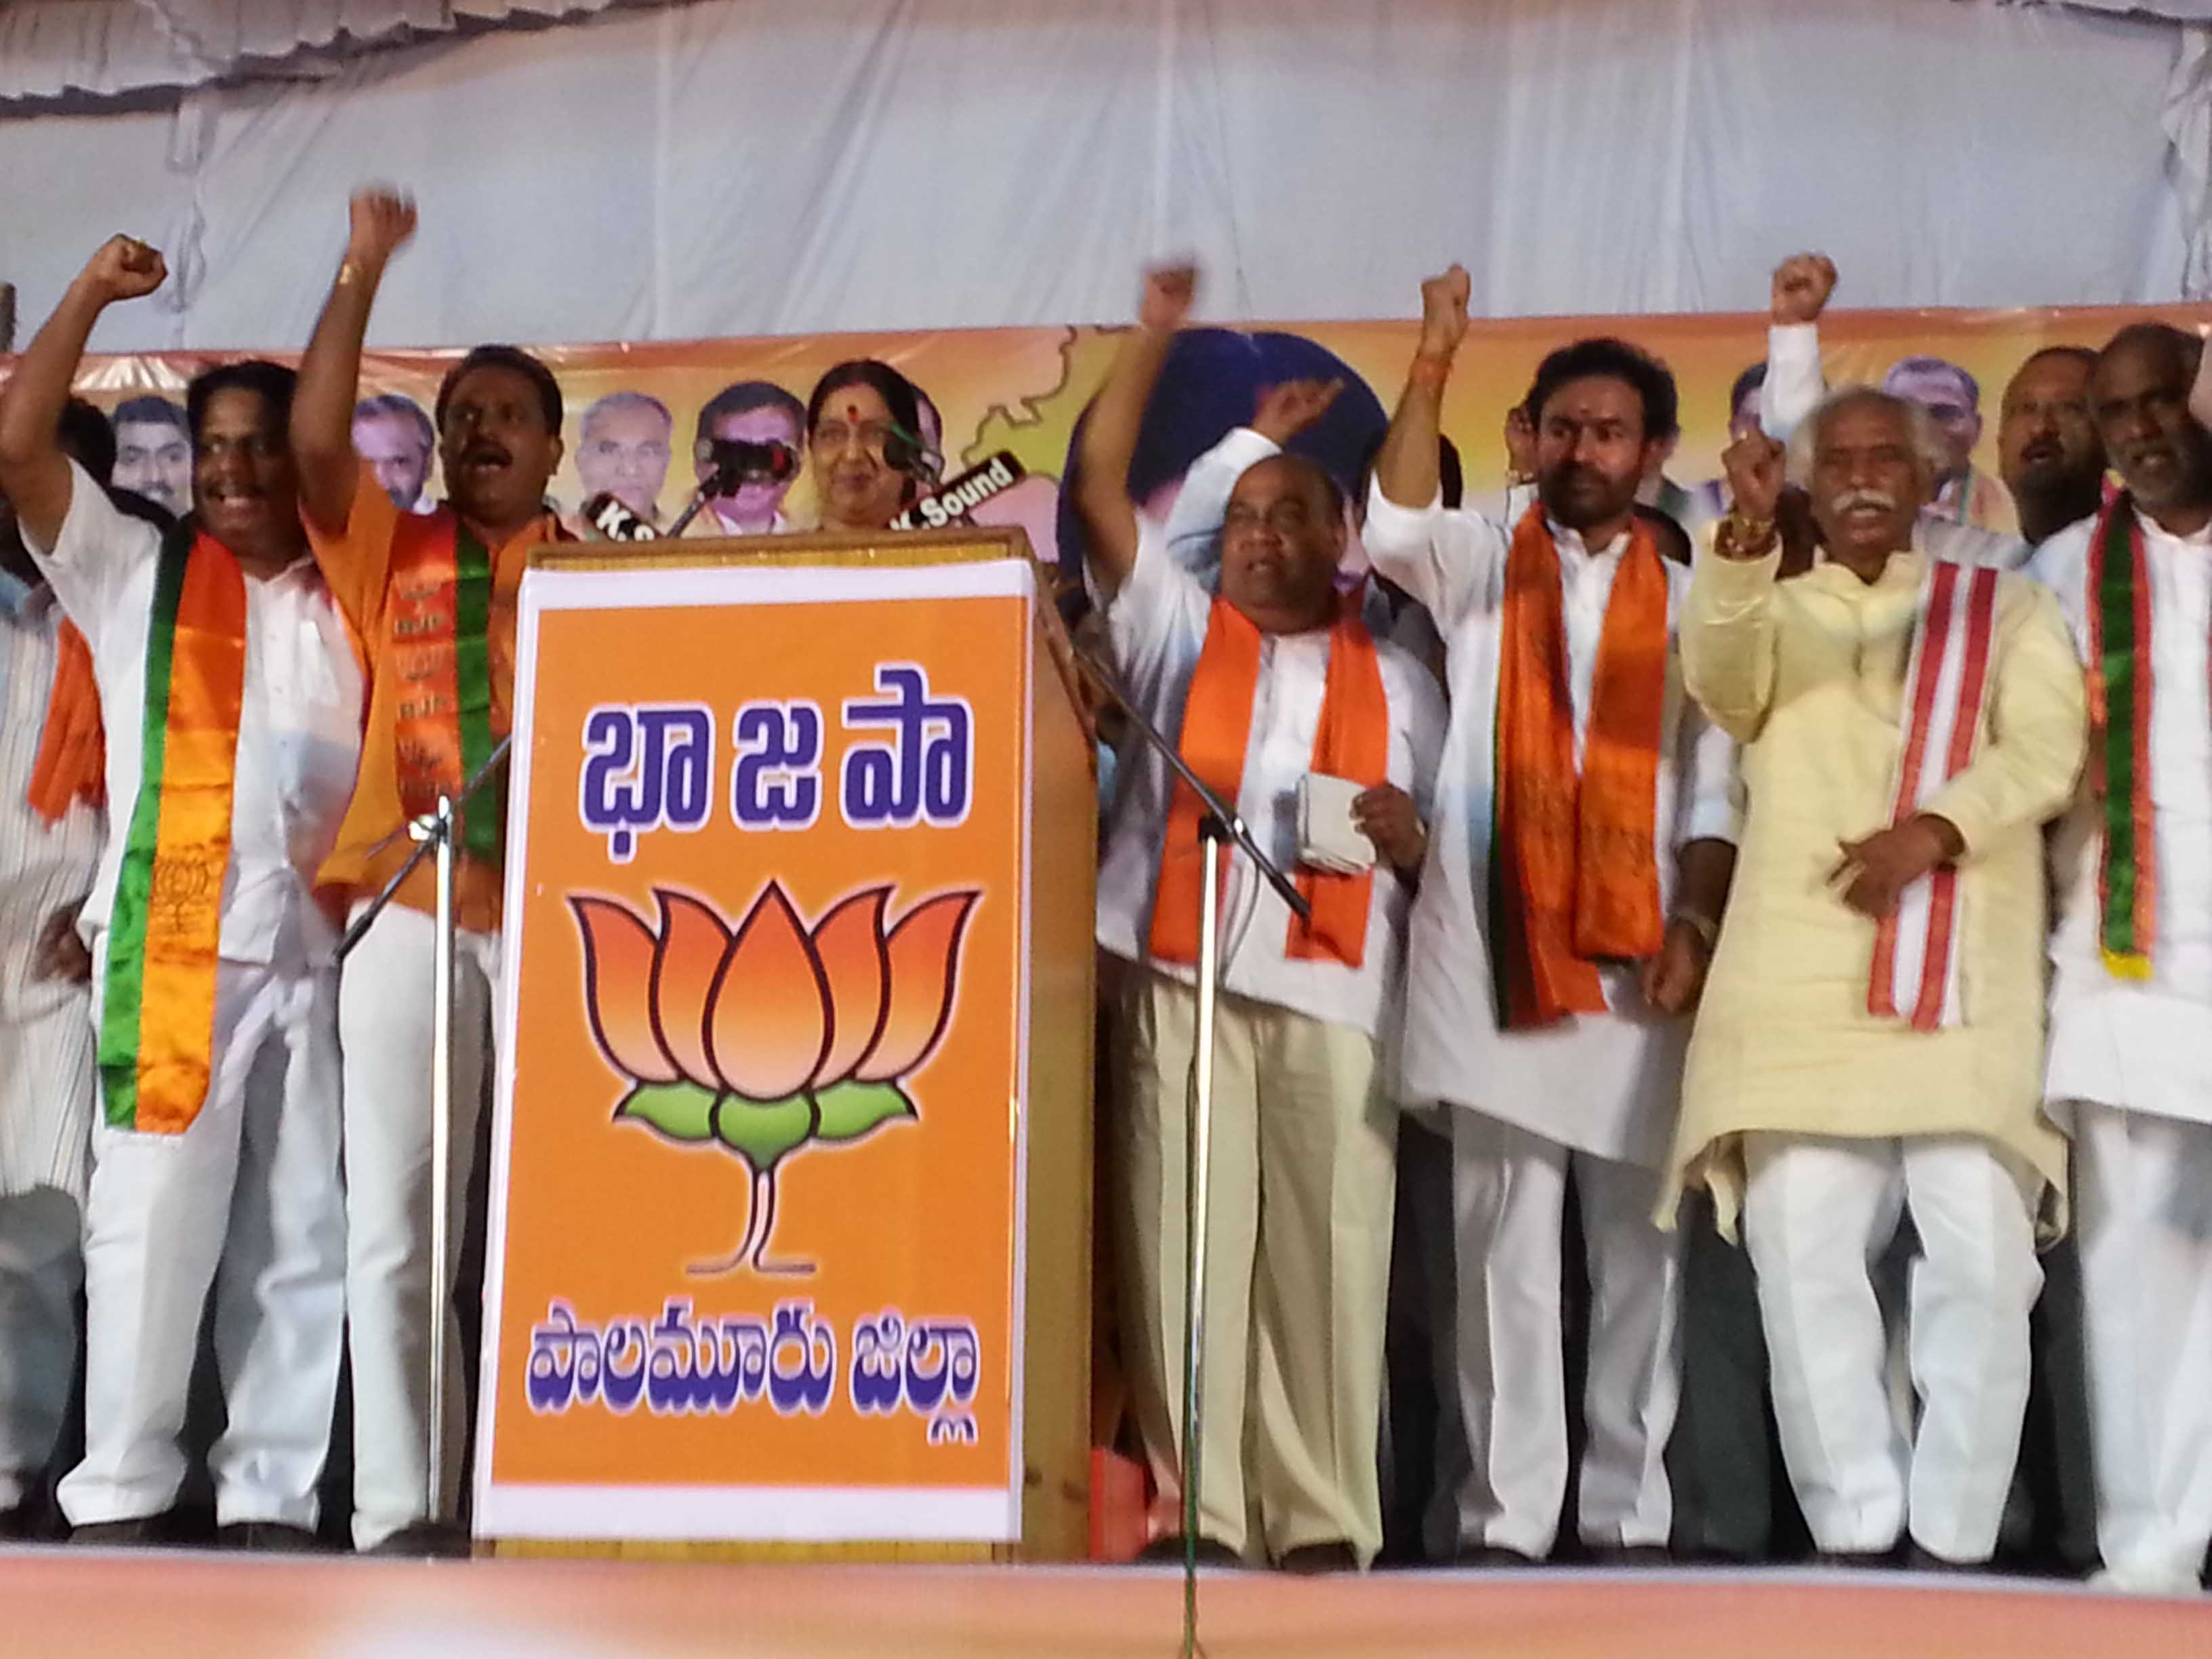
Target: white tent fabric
x=105 y=48
x=58 y=48
x=750 y=166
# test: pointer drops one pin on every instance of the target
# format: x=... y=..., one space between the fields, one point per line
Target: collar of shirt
x=1573 y=551
x=2201 y=537
x=1906 y=565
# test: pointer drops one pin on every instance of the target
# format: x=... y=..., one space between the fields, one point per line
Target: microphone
x=956 y=498
x=605 y=519
x=731 y=462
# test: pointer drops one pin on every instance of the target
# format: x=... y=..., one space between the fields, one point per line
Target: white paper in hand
x=1327 y=837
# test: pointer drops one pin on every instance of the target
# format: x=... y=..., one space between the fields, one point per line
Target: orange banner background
x=1022 y=389
x=611 y=1217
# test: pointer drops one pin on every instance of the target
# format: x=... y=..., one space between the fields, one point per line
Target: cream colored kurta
x=1809 y=675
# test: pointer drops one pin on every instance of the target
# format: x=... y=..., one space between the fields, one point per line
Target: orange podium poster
x=757 y=1229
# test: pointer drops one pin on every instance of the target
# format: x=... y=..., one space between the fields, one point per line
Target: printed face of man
x=393 y=447
x=1943 y=395
x=155 y=459
x=751 y=511
x=624 y=454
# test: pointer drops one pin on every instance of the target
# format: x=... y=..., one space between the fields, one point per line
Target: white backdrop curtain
x=750 y=166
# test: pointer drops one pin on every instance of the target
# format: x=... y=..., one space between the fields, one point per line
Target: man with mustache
x=1582 y=851
x=432 y=597
x=1274 y=687
x=1973 y=517
x=2132 y=995
x=1870 y=1041
x=233 y=707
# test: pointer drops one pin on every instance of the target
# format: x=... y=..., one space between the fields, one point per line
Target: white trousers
x=1509 y=1202
x=1818 y=1213
x=246 y=1200
x=384 y=1025
x=41 y=1266
x=2143 y=1203
x=1303 y=1166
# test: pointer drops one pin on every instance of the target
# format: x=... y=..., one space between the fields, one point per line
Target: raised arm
x=1794 y=385
x=329 y=373
x=1405 y=466
x=1728 y=626
x=1193 y=526
x=34 y=474
x=1110 y=435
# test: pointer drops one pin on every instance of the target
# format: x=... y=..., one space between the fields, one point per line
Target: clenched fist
x=382 y=221
x=1169 y=292
x=1803 y=283
x=1756 y=472
x=125 y=269
x=1443 y=312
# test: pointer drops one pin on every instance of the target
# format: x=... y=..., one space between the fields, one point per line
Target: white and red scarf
x=1946 y=684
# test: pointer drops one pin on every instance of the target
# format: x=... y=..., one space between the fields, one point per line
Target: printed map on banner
x=757 y=1269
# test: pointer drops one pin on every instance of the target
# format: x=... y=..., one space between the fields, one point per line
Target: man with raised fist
x=1870 y=1041
x=232 y=702
x=1273 y=688
x=1580 y=855
x=432 y=597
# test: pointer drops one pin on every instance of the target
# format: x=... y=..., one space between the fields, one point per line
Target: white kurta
x=1606 y=1084
x=299 y=740
x=45 y=1037
x=1157 y=622
x=2142 y=1045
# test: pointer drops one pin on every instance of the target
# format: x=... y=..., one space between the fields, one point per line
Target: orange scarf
x=157 y=1009
x=1574 y=879
x=72 y=763
x=1352 y=741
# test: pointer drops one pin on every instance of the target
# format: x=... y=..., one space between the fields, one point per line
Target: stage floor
x=86 y=1604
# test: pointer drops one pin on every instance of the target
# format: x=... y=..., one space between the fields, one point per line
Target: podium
x=791 y=1187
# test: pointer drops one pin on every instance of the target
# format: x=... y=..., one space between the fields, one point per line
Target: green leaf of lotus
x=681 y=1111
x=762 y=1134
x=851 y=1110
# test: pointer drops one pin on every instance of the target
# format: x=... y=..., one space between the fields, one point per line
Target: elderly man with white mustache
x=1871 y=1037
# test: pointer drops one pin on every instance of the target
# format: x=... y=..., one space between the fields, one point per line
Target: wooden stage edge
x=179 y=1605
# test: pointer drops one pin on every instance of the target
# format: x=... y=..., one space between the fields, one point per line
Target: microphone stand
x=432 y=834
x=1219 y=829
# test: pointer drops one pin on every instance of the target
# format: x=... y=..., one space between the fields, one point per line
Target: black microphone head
x=731 y=462
x=605 y=516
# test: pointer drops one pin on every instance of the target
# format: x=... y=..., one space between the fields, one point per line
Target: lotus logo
x=771 y=1037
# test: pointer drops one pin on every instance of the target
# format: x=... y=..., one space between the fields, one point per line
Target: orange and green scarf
x=440 y=623
x=1574 y=877
x=2120 y=696
x=157 y=1012
x=1353 y=741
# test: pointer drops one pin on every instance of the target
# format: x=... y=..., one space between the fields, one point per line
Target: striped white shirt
x=45 y=1026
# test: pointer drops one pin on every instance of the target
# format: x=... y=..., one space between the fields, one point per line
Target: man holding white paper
x=1287 y=706
x=1581 y=854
